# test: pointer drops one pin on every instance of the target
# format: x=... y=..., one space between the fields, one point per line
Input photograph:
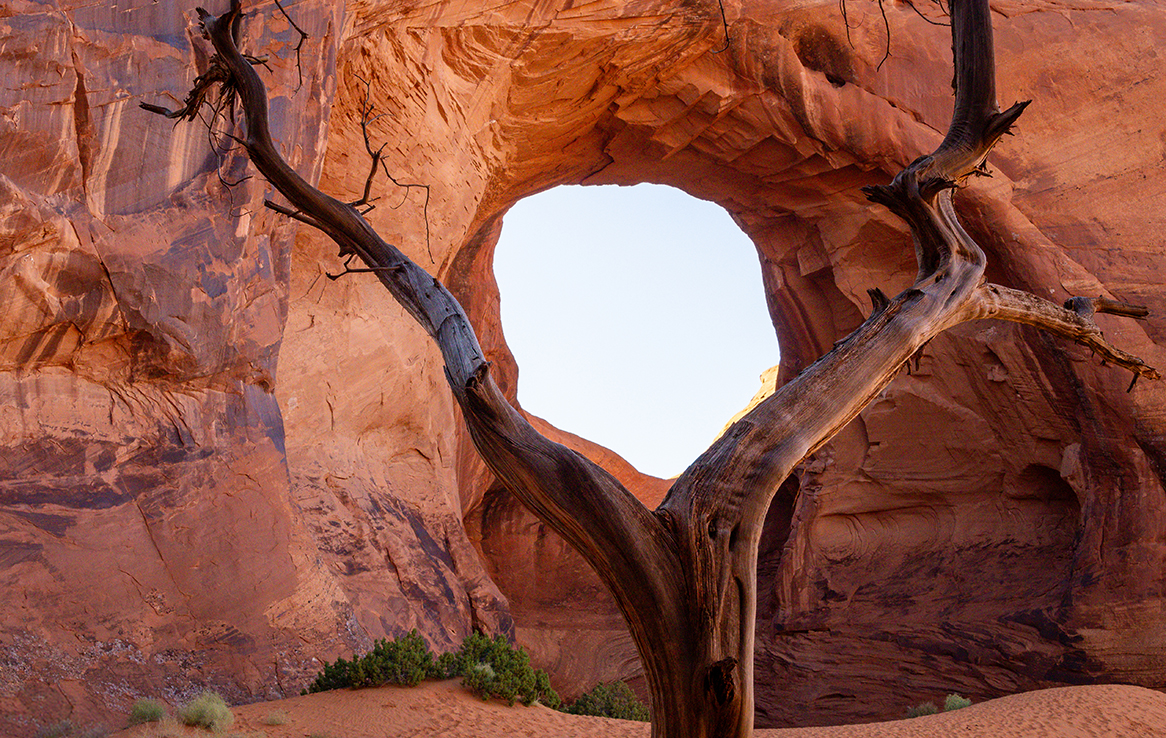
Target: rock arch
x=765 y=130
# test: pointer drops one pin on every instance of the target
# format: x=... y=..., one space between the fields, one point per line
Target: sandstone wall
x=149 y=544
x=176 y=512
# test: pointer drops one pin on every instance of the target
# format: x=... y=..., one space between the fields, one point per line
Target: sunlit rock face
x=175 y=513
x=150 y=540
x=148 y=543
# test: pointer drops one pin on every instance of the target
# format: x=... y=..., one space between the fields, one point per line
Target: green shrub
x=488 y=667
x=147 y=711
x=209 y=711
x=927 y=708
x=332 y=676
x=955 y=702
x=446 y=666
x=613 y=700
x=405 y=660
x=494 y=668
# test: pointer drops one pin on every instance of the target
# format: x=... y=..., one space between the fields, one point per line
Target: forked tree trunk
x=684 y=575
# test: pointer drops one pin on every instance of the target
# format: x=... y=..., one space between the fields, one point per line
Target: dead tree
x=684 y=575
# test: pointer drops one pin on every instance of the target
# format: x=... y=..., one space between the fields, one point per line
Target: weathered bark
x=684 y=575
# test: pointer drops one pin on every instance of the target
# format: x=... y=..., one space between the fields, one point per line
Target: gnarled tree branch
x=1073 y=321
x=630 y=548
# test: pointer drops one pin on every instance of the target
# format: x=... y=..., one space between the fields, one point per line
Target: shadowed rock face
x=174 y=514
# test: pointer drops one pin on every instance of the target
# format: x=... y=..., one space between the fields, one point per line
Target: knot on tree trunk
x=718 y=681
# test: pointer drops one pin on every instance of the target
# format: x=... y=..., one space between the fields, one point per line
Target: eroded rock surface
x=152 y=541
x=176 y=513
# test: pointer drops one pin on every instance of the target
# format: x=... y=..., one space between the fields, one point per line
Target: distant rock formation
x=176 y=513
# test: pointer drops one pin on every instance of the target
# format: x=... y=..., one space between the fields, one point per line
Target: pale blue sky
x=636 y=315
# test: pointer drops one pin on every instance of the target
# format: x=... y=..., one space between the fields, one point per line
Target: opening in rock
x=774 y=536
x=636 y=315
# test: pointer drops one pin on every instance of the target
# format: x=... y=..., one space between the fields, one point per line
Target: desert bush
x=278 y=717
x=494 y=668
x=405 y=660
x=613 y=700
x=447 y=666
x=955 y=702
x=336 y=675
x=488 y=667
x=209 y=711
x=147 y=711
x=927 y=708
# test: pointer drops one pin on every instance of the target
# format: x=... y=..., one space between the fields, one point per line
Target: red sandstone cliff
x=176 y=512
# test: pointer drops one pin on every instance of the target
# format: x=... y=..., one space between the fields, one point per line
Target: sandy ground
x=445 y=709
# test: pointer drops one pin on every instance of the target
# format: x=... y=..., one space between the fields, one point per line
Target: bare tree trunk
x=684 y=575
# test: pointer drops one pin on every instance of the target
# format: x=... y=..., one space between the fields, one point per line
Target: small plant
x=66 y=729
x=279 y=717
x=955 y=702
x=147 y=711
x=62 y=729
x=167 y=727
x=927 y=708
x=209 y=711
x=613 y=700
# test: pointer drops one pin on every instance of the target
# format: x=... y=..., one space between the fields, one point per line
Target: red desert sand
x=445 y=709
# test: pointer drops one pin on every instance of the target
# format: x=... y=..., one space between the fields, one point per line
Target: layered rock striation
x=220 y=467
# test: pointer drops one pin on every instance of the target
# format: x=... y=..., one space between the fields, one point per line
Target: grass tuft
x=279 y=717
x=209 y=711
x=167 y=727
x=61 y=729
x=927 y=708
x=66 y=729
x=147 y=711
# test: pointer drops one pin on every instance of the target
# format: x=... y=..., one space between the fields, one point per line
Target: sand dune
x=445 y=709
